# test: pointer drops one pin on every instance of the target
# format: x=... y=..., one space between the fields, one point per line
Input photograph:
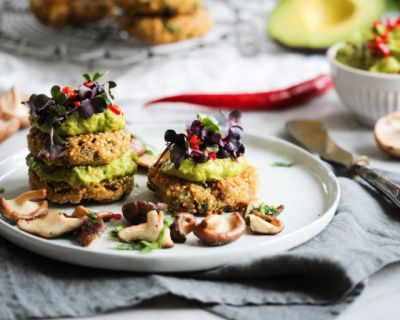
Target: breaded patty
x=91 y=149
x=229 y=194
x=171 y=7
x=159 y=30
x=71 y=12
x=106 y=191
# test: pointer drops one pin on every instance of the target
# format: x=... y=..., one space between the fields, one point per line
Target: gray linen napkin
x=314 y=281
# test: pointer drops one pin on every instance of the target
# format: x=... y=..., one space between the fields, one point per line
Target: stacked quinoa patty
x=164 y=21
x=205 y=171
x=79 y=146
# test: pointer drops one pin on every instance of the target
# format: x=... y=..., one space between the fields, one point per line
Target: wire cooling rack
x=103 y=44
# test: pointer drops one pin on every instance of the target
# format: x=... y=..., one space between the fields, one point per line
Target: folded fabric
x=314 y=281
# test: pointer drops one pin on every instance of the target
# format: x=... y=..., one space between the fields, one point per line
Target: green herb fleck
x=282 y=164
x=114 y=231
x=171 y=27
x=93 y=218
x=137 y=186
x=265 y=209
x=2 y=189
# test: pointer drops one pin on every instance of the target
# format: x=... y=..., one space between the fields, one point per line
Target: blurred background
x=156 y=48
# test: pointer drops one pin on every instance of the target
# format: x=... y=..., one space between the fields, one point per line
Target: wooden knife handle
x=388 y=188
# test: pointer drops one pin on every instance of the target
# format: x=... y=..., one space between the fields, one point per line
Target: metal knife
x=312 y=135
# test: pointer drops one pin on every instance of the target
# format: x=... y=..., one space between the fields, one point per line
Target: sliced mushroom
x=51 y=225
x=136 y=211
x=22 y=207
x=387 y=134
x=148 y=231
x=11 y=107
x=93 y=226
x=264 y=224
x=146 y=161
x=216 y=230
x=184 y=223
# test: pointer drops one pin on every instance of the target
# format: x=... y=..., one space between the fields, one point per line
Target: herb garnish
x=147 y=246
x=206 y=139
x=113 y=233
x=282 y=164
x=51 y=112
x=2 y=189
x=265 y=209
x=93 y=217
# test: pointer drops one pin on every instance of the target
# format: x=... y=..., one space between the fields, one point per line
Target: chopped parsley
x=266 y=209
x=137 y=185
x=144 y=246
x=282 y=164
x=93 y=218
x=2 y=189
x=113 y=233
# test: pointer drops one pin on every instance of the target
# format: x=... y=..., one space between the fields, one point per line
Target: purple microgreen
x=86 y=109
x=210 y=140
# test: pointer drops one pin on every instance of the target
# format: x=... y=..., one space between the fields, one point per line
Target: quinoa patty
x=106 y=191
x=92 y=149
x=158 y=29
x=229 y=194
x=62 y=13
x=145 y=7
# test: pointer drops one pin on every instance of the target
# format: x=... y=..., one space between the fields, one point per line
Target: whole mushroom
x=22 y=207
x=136 y=211
x=216 y=230
x=184 y=223
x=149 y=231
x=264 y=224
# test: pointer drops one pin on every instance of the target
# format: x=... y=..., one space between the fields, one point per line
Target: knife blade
x=312 y=135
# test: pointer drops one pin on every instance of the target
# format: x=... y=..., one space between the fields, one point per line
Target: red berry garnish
x=117 y=216
x=77 y=104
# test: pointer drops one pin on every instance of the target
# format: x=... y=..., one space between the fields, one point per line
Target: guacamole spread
x=80 y=176
x=375 y=50
x=212 y=170
x=75 y=124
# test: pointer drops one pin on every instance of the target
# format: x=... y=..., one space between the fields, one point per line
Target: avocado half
x=317 y=24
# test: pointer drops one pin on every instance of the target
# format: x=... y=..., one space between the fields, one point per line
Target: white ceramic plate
x=309 y=191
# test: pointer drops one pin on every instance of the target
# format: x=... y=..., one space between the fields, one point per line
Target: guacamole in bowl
x=376 y=49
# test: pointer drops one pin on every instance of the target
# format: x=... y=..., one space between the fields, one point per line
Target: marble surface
x=220 y=69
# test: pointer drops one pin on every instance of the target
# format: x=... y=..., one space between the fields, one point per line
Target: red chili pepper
x=67 y=90
x=117 y=216
x=195 y=147
x=194 y=140
x=88 y=83
x=275 y=99
x=114 y=108
x=212 y=155
x=77 y=104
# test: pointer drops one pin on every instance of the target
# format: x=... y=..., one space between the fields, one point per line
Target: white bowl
x=369 y=96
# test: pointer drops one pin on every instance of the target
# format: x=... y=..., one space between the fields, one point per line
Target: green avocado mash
x=75 y=125
x=374 y=50
x=80 y=176
x=212 y=170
